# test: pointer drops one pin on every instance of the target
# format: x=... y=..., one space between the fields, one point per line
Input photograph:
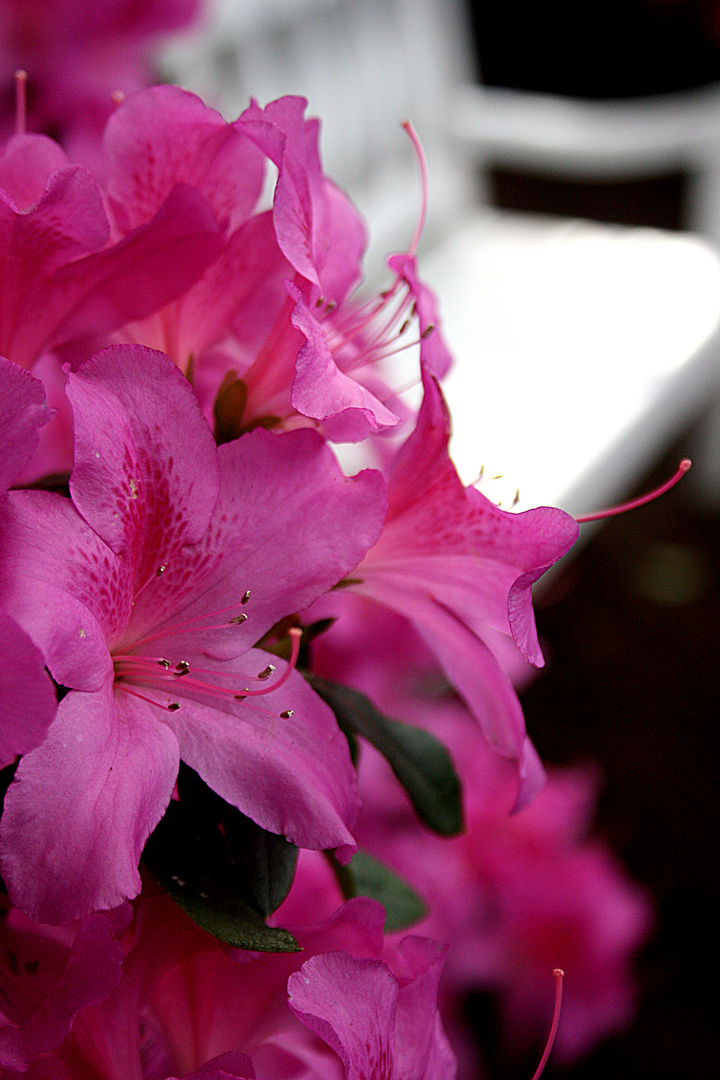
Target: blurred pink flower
x=516 y=895
x=77 y=56
x=188 y=1006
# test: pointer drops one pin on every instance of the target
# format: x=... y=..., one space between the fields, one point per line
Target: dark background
x=633 y=623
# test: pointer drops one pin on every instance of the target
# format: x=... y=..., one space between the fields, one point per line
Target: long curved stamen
x=559 y=976
x=158 y=672
x=407 y=127
x=634 y=503
x=20 y=101
x=188 y=625
x=173 y=707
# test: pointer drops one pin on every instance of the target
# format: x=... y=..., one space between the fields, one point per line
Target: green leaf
x=365 y=876
x=215 y=906
x=420 y=761
x=265 y=863
x=196 y=862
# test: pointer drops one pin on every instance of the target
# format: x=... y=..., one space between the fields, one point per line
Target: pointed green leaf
x=190 y=857
x=420 y=761
x=366 y=876
x=265 y=863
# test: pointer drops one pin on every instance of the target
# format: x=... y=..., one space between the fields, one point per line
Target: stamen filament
x=158 y=671
x=410 y=130
x=187 y=626
x=559 y=976
x=634 y=503
x=20 y=101
x=173 y=707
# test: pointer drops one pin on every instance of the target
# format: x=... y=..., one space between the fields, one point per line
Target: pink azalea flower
x=78 y=55
x=47 y=976
x=145 y=594
x=515 y=896
x=461 y=570
x=272 y=307
x=188 y=1006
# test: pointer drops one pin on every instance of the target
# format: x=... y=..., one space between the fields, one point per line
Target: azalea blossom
x=188 y=1006
x=516 y=896
x=461 y=570
x=145 y=594
x=273 y=310
x=78 y=56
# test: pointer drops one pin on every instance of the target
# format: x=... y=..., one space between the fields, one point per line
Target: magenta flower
x=389 y=1025
x=47 y=976
x=78 y=55
x=462 y=571
x=515 y=896
x=61 y=278
x=273 y=307
x=186 y=1006
x=145 y=594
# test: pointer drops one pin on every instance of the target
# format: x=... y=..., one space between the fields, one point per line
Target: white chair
x=582 y=349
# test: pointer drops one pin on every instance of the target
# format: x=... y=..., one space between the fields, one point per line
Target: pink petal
x=166 y=136
x=130 y=280
x=54 y=575
x=242 y=288
x=292 y=775
x=82 y=805
x=27 y=695
x=348 y=410
x=146 y=473
x=93 y=970
x=318 y=229
x=358 y=1025
x=26 y=163
x=287 y=527
x=421 y=1046
x=435 y=356
x=23 y=411
x=226 y=1067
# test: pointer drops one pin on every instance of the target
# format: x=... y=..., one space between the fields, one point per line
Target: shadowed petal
x=27 y=695
x=23 y=411
x=83 y=804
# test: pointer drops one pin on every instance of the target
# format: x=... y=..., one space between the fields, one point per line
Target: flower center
x=176 y=676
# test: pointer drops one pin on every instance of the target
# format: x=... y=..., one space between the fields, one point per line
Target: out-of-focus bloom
x=78 y=56
x=517 y=896
x=145 y=594
x=47 y=976
x=462 y=571
x=188 y=1006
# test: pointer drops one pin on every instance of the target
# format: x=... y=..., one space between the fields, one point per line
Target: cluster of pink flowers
x=206 y=623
